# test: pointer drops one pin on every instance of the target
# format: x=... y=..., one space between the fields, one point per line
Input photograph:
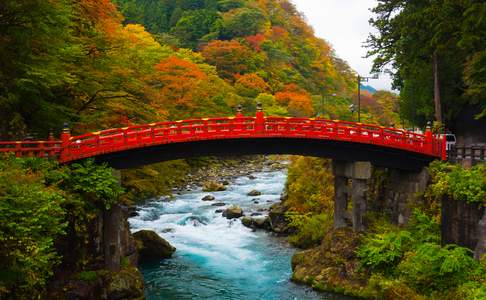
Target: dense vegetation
x=42 y=206
x=436 y=49
x=410 y=263
x=387 y=261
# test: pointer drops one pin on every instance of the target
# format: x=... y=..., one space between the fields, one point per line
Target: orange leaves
x=252 y=81
x=297 y=100
x=279 y=33
x=176 y=68
x=256 y=40
x=229 y=57
x=102 y=13
x=179 y=79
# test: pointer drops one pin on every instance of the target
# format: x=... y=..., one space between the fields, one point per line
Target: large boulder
x=151 y=246
x=254 y=193
x=233 y=212
x=213 y=186
x=278 y=222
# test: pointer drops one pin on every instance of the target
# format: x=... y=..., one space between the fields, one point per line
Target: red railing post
x=444 y=147
x=18 y=149
x=239 y=117
x=65 y=141
x=429 y=139
x=260 y=119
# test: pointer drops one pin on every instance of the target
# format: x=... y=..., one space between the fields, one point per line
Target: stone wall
x=460 y=222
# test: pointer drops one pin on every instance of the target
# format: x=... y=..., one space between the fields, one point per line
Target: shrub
x=31 y=219
x=434 y=268
x=382 y=252
x=94 y=182
x=461 y=184
x=310 y=229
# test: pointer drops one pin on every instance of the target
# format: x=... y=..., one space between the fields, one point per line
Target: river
x=218 y=258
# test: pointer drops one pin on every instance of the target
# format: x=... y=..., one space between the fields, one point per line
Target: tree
x=425 y=42
x=297 y=100
x=230 y=58
x=242 y=22
x=250 y=85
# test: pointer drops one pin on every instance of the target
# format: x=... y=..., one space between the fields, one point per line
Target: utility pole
x=359 y=98
x=360 y=80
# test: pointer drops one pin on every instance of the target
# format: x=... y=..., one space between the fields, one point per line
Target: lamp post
x=360 y=80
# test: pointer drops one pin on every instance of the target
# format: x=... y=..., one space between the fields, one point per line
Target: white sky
x=344 y=24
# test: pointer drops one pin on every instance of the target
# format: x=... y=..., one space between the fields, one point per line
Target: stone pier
x=358 y=173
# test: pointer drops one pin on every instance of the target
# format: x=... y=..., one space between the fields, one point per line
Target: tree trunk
x=438 y=108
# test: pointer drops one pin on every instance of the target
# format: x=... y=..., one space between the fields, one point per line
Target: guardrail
x=71 y=148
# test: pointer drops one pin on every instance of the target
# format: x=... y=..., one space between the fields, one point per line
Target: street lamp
x=360 y=80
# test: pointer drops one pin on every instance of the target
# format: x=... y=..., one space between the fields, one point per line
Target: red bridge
x=144 y=144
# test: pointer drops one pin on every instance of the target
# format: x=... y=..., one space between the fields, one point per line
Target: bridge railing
x=31 y=148
x=119 y=139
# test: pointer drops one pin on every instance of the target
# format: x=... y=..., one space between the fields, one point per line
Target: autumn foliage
x=297 y=100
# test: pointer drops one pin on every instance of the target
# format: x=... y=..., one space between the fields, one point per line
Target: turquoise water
x=217 y=258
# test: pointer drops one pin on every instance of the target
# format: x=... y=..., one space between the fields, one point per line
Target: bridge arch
x=139 y=145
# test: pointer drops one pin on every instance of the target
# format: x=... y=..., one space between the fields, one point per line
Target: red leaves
x=297 y=100
x=256 y=40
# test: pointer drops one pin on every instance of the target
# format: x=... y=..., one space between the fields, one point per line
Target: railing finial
x=259 y=106
x=65 y=128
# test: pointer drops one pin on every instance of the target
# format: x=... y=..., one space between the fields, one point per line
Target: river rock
x=213 y=186
x=254 y=193
x=251 y=177
x=246 y=221
x=233 y=212
x=125 y=284
x=218 y=211
x=278 y=223
x=225 y=182
x=256 y=222
x=208 y=198
x=217 y=204
x=151 y=246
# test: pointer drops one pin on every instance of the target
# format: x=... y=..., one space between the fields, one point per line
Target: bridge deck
x=117 y=140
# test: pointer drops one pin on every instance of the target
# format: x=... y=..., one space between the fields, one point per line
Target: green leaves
x=432 y=267
x=383 y=252
x=94 y=182
x=32 y=218
x=459 y=183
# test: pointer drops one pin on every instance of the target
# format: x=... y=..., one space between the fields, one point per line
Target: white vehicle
x=450 y=141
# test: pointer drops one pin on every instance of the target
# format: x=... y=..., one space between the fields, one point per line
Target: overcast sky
x=344 y=24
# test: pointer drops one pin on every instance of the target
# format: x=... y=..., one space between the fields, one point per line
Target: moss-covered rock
x=233 y=212
x=151 y=246
x=213 y=186
x=332 y=266
x=126 y=284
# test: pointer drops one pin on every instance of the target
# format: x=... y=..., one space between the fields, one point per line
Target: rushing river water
x=218 y=258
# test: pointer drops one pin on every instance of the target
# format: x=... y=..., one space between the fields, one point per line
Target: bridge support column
x=112 y=238
x=340 y=194
x=361 y=174
x=112 y=233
